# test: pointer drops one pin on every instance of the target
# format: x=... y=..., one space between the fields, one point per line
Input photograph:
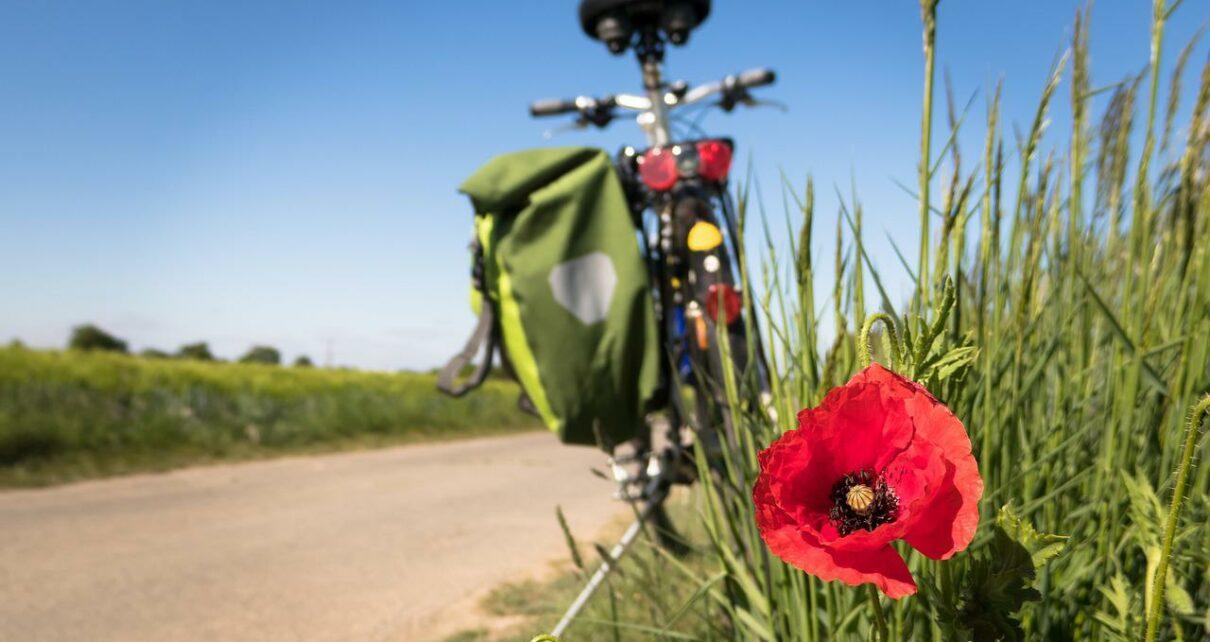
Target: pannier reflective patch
x=585 y=286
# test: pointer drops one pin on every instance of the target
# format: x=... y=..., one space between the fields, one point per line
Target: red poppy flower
x=879 y=460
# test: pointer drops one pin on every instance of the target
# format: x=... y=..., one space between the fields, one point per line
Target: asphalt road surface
x=394 y=544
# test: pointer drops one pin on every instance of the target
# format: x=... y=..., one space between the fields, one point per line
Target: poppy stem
x=1192 y=432
x=863 y=339
x=879 y=618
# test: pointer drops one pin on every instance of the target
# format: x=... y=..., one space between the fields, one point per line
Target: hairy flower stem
x=1192 y=432
x=879 y=619
x=863 y=339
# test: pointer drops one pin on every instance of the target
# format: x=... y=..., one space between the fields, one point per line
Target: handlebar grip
x=551 y=107
x=756 y=78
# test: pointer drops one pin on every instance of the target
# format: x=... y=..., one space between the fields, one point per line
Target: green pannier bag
x=561 y=289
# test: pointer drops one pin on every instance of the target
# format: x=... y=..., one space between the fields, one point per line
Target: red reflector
x=657 y=167
x=731 y=302
x=715 y=158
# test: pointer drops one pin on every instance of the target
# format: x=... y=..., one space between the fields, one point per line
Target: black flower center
x=862 y=499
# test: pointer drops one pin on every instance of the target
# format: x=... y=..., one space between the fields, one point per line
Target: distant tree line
x=89 y=337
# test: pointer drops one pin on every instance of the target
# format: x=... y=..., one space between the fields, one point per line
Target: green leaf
x=1042 y=547
x=1178 y=598
x=1175 y=595
x=998 y=585
x=1118 y=624
x=946 y=365
x=1146 y=511
x=998 y=581
x=570 y=539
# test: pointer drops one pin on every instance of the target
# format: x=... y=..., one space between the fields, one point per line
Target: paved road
x=394 y=544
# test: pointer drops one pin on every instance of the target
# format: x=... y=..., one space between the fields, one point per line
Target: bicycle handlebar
x=593 y=108
x=552 y=107
x=756 y=78
x=731 y=87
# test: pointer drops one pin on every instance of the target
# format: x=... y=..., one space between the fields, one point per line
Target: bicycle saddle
x=613 y=22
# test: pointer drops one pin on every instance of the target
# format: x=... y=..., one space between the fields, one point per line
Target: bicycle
x=678 y=193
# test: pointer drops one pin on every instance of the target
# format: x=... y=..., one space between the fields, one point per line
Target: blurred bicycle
x=677 y=188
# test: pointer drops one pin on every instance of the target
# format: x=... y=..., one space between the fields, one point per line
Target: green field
x=71 y=415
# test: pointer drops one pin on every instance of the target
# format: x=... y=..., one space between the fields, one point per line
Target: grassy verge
x=650 y=595
x=72 y=415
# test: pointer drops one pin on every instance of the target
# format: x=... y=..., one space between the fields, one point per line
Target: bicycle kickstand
x=607 y=565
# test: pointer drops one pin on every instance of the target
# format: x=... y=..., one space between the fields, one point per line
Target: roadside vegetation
x=1062 y=311
x=74 y=414
x=646 y=597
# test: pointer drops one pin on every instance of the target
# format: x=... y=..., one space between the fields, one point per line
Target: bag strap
x=484 y=335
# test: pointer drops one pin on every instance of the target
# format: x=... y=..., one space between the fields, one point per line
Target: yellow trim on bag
x=515 y=342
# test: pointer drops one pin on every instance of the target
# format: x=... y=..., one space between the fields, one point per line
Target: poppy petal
x=798 y=477
x=948 y=524
x=863 y=426
x=880 y=566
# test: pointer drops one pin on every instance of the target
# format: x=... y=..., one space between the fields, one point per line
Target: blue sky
x=285 y=172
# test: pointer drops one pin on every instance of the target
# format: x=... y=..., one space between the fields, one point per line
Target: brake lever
x=739 y=96
x=733 y=96
x=676 y=92
x=778 y=105
x=599 y=115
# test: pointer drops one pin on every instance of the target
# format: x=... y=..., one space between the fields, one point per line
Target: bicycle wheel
x=717 y=347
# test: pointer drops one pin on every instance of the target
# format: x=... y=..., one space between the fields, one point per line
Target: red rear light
x=657 y=167
x=730 y=299
x=715 y=158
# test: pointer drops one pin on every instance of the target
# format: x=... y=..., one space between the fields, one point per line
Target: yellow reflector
x=704 y=236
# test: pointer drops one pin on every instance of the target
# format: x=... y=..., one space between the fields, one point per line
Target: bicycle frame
x=679 y=198
x=671 y=260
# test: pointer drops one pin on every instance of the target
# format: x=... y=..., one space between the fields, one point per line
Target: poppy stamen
x=859 y=498
x=862 y=499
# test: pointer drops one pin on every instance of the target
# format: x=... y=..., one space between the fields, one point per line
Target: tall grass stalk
x=928 y=15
